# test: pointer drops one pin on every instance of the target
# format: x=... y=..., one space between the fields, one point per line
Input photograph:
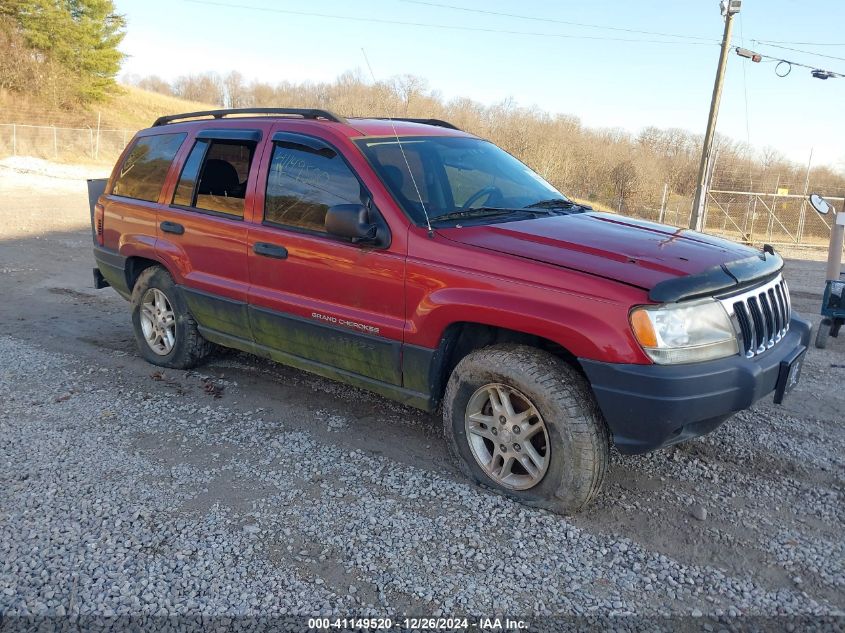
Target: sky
x=608 y=81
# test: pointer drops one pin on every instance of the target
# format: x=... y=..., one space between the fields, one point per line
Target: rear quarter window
x=142 y=174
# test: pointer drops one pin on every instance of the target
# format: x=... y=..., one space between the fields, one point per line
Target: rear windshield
x=447 y=174
x=142 y=174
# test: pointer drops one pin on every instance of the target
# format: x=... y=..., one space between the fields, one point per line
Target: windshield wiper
x=558 y=203
x=484 y=212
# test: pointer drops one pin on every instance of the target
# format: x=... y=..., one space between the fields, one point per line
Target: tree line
x=611 y=166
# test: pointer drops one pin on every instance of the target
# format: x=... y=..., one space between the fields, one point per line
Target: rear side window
x=215 y=176
x=142 y=173
x=303 y=183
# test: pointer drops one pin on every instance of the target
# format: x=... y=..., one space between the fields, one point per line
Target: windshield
x=454 y=174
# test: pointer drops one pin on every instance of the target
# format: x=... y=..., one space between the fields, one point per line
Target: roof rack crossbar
x=437 y=122
x=305 y=113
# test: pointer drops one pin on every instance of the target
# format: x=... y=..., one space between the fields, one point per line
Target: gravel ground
x=247 y=488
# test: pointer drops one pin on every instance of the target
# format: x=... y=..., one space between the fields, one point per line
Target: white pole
x=663 y=203
x=55 y=143
x=834 y=251
x=97 y=147
x=14 y=140
x=802 y=214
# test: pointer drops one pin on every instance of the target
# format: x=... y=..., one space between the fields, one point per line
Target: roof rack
x=437 y=122
x=305 y=113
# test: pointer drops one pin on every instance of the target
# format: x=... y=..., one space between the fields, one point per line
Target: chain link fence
x=63 y=143
x=772 y=218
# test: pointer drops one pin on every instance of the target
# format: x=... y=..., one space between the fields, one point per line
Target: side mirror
x=351 y=221
x=820 y=204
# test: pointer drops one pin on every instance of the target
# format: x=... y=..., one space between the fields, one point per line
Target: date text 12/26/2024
x=418 y=624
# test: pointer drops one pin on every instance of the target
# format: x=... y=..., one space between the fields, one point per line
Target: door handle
x=172 y=227
x=270 y=250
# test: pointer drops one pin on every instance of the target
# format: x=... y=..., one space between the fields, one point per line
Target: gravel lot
x=248 y=488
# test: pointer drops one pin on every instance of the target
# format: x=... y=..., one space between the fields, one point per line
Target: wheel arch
x=461 y=338
x=135 y=265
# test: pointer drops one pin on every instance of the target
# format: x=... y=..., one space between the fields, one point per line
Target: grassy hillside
x=137 y=108
x=131 y=109
x=75 y=137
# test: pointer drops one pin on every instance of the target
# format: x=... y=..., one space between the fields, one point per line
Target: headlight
x=684 y=332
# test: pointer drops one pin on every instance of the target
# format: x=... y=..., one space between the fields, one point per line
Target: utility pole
x=729 y=9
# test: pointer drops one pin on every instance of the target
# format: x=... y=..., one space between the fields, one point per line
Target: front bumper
x=651 y=406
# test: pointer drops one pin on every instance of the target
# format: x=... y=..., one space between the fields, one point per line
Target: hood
x=635 y=252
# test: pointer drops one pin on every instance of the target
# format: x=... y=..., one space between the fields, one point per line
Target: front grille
x=760 y=316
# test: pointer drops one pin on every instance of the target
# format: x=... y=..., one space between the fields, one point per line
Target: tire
x=188 y=347
x=575 y=437
x=823 y=332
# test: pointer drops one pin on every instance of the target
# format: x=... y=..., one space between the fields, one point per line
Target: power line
x=553 y=20
x=814 y=70
x=451 y=27
x=796 y=50
x=802 y=43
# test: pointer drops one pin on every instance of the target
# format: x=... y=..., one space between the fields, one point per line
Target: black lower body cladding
x=112 y=269
x=651 y=406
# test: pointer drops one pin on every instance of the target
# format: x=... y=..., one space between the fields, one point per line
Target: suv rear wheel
x=165 y=331
x=525 y=423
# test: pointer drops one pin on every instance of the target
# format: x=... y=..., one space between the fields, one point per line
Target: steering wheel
x=486 y=191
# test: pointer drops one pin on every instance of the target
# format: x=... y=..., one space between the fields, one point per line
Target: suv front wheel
x=165 y=331
x=522 y=421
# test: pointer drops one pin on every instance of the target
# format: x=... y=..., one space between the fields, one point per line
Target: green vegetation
x=65 y=51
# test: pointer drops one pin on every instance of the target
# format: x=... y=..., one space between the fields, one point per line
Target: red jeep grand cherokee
x=425 y=264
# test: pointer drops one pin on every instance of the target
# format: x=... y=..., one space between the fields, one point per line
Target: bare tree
x=154 y=83
x=236 y=95
x=409 y=88
x=625 y=179
x=206 y=88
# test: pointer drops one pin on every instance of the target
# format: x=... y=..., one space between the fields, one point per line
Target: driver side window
x=303 y=183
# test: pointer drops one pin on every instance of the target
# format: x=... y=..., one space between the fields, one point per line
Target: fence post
x=14 y=140
x=55 y=143
x=753 y=217
x=745 y=221
x=802 y=218
x=663 y=203
x=97 y=147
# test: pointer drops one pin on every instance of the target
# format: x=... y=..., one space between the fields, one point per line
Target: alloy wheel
x=507 y=436
x=158 y=322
